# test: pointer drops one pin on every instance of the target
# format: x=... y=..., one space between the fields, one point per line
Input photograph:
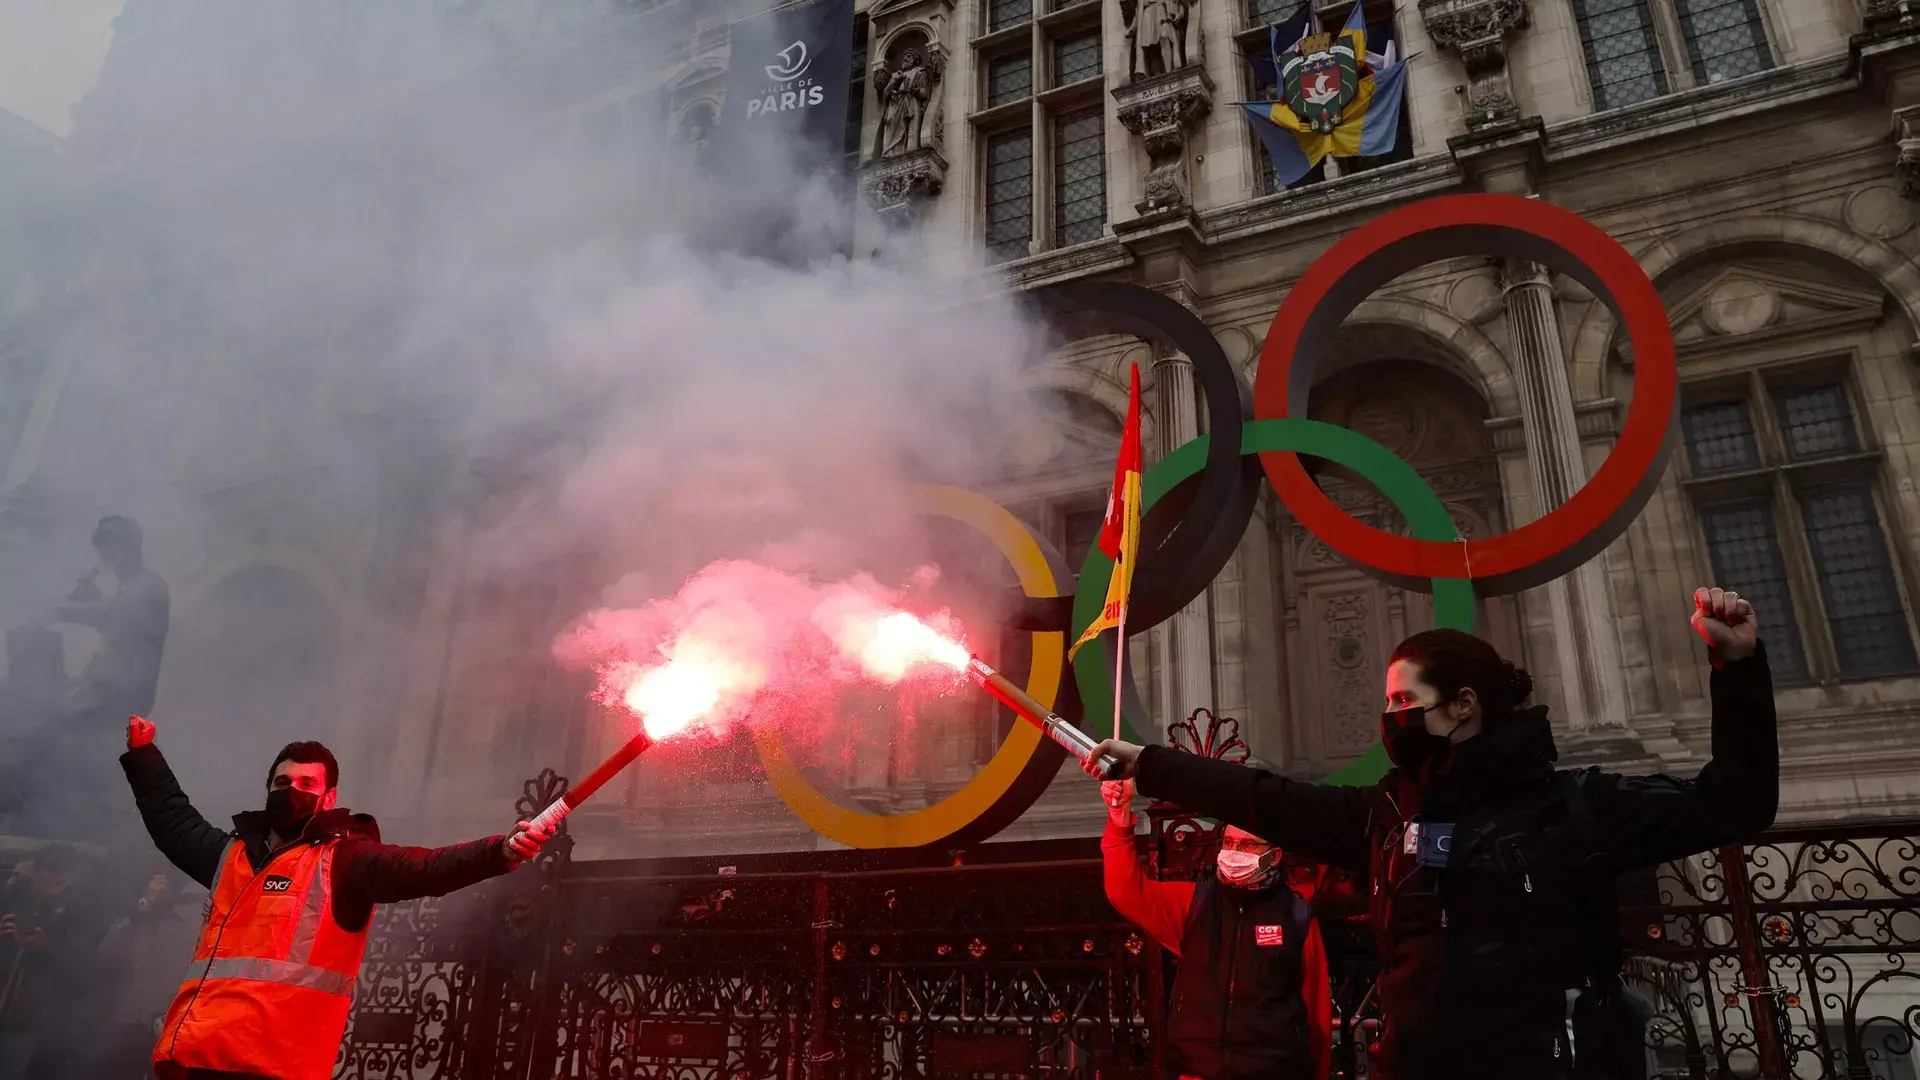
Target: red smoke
x=738 y=635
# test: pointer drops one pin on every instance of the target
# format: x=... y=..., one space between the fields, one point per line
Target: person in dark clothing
x=41 y=926
x=124 y=674
x=144 y=950
x=70 y=756
x=293 y=892
x=1485 y=865
x=1251 y=999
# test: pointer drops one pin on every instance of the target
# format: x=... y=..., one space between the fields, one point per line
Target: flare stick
x=550 y=818
x=1077 y=742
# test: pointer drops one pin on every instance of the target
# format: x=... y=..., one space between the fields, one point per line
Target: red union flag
x=1120 y=533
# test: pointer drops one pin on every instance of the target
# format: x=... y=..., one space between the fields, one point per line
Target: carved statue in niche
x=1158 y=36
x=910 y=113
x=696 y=130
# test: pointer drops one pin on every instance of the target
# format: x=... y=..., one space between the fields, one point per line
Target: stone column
x=1587 y=652
x=1186 y=643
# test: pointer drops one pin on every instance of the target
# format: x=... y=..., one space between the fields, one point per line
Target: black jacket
x=1238 y=1010
x=365 y=871
x=1477 y=959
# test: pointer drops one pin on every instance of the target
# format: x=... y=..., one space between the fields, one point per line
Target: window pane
x=1263 y=85
x=1009 y=194
x=1079 y=177
x=1720 y=437
x=1009 y=78
x=1623 y=61
x=1004 y=13
x=1856 y=579
x=1745 y=550
x=1076 y=57
x=1725 y=38
x=1817 y=422
x=1269 y=12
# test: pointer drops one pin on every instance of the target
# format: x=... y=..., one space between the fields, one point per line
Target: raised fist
x=139 y=732
x=1725 y=622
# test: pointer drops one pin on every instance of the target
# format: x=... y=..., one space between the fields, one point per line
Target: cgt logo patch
x=276 y=883
x=1273 y=936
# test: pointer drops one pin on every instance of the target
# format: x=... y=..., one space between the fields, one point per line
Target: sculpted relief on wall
x=1339 y=624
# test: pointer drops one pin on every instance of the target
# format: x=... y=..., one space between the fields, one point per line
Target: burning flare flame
x=668 y=699
x=701 y=658
x=888 y=647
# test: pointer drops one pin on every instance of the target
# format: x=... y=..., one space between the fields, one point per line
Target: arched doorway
x=252 y=666
x=1338 y=624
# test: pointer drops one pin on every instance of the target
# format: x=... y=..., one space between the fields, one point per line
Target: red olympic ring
x=1446 y=227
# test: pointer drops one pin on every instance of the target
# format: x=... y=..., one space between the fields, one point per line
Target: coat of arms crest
x=1322 y=77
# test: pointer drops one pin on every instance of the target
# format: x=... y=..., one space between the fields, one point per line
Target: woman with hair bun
x=1490 y=873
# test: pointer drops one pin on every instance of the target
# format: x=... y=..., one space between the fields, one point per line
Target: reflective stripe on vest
x=273 y=971
x=313 y=907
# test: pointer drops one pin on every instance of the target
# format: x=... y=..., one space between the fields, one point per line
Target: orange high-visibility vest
x=272 y=978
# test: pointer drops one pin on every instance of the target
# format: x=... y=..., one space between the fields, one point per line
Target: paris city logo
x=791 y=89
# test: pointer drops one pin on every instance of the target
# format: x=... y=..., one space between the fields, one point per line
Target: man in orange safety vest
x=293 y=887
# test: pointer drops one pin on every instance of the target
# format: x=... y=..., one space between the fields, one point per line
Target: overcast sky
x=50 y=54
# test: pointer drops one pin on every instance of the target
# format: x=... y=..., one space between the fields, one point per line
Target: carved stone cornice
x=1887 y=19
x=899 y=187
x=1906 y=164
x=1594 y=420
x=1476 y=30
x=1504 y=156
x=1162 y=112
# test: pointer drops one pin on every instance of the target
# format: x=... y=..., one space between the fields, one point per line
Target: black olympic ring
x=1188 y=537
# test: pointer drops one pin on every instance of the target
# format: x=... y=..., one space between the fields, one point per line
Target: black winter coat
x=1478 y=959
x=365 y=871
x=1238 y=1008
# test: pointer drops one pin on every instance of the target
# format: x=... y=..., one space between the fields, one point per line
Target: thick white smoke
x=358 y=291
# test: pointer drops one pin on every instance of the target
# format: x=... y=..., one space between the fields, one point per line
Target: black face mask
x=289 y=810
x=1409 y=744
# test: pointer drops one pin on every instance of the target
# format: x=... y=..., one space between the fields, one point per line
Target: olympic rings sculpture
x=1200 y=498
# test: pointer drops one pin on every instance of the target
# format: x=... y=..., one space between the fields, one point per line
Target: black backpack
x=1608 y=1040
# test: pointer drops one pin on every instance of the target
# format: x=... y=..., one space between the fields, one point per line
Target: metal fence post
x=819 y=1048
x=1759 y=988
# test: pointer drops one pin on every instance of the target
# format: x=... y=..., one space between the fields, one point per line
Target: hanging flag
x=783 y=127
x=788 y=81
x=1120 y=532
x=1282 y=37
x=1332 y=103
x=1383 y=47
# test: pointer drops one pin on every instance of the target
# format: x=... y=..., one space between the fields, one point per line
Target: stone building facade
x=1752 y=155
x=1755 y=157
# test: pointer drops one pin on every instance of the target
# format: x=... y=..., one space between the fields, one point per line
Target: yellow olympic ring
x=859 y=829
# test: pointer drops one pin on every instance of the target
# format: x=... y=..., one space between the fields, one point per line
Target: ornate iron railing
x=1014 y=970
x=1797 y=956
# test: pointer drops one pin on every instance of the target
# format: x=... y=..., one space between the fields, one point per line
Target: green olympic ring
x=1453 y=598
